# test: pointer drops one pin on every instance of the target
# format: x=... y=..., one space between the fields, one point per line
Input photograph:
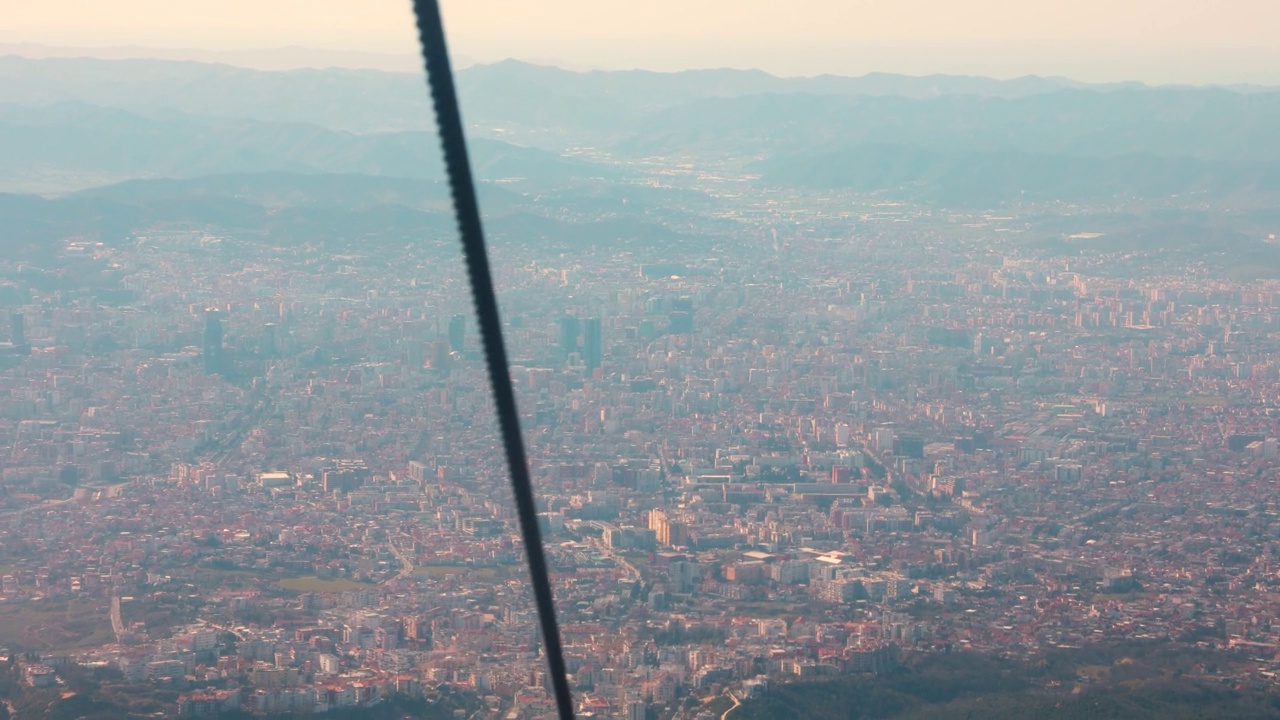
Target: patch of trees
x=1131 y=681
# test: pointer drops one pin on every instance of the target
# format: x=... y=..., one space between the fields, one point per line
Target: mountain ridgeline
x=67 y=124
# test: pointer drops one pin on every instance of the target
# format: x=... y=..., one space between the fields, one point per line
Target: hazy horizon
x=291 y=57
x=1187 y=42
x=916 y=358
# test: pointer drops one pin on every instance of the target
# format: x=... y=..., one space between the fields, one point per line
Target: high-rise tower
x=569 y=329
x=592 y=343
x=212 y=349
x=457 y=332
x=270 y=340
x=17 y=330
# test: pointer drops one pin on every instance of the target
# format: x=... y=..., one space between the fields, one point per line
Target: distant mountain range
x=950 y=140
x=508 y=91
x=265 y=58
x=70 y=139
x=344 y=211
x=989 y=178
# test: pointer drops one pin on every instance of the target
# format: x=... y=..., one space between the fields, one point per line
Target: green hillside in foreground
x=1132 y=682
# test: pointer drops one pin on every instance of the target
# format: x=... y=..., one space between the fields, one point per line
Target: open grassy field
x=1195 y=400
x=315 y=584
x=437 y=571
x=770 y=609
x=61 y=624
x=1132 y=680
x=718 y=705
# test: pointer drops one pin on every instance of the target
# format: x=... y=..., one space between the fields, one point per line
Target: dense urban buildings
x=889 y=434
x=211 y=351
x=797 y=433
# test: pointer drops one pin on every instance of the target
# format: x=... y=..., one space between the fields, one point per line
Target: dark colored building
x=570 y=328
x=909 y=446
x=592 y=343
x=270 y=340
x=17 y=329
x=212 y=348
x=681 y=323
x=1239 y=441
x=440 y=355
x=457 y=332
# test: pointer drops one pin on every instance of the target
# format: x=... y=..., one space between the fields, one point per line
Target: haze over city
x=884 y=361
x=1180 y=41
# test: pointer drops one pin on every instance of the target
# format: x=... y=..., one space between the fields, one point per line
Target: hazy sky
x=1152 y=40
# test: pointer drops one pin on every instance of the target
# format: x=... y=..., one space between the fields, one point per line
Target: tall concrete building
x=270 y=340
x=457 y=332
x=17 y=329
x=570 y=327
x=212 y=348
x=592 y=343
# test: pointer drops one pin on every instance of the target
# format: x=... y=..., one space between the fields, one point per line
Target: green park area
x=323 y=585
x=1133 y=681
x=54 y=624
x=440 y=571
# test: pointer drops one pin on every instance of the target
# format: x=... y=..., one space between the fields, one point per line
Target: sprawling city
x=782 y=436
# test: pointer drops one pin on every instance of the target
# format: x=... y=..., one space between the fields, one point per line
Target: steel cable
x=466 y=208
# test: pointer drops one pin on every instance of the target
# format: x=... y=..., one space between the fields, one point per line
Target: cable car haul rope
x=444 y=97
